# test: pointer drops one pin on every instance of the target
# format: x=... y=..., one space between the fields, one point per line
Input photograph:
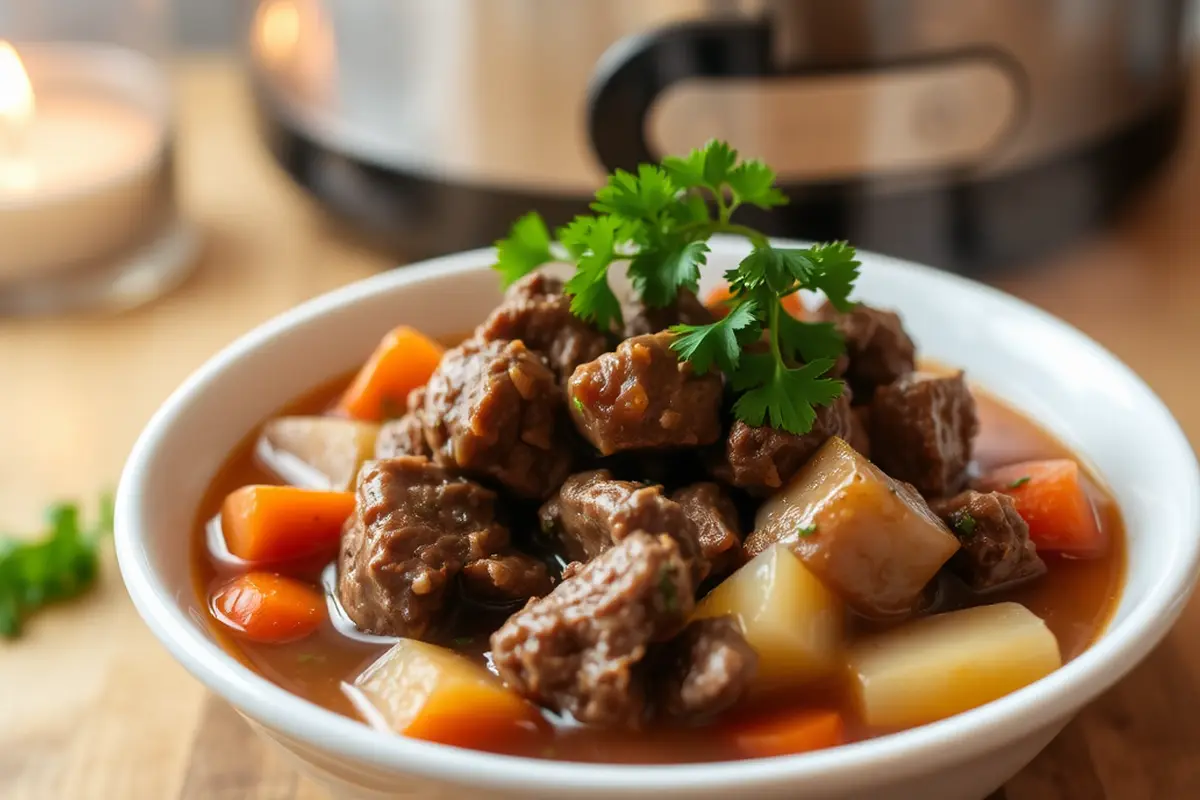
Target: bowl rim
x=917 y=750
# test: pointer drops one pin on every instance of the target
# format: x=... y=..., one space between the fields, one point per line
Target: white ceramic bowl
x=1039 y=364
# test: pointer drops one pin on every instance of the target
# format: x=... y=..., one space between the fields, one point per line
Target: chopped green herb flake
x=547 y=525
x=806 y=530
x=963 y=523
x=1019 y=482
x=666 y=585
x=578 y=404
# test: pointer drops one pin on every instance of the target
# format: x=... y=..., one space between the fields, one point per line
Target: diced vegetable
x=871 y=539
x=403 y=361
x=317 y=452
x=269 y=608
x=789 y=617
x=787 y=733
x=1053 y=499
x=948 y=663
x=427 y=692
x=718 y=298
x=282 y=523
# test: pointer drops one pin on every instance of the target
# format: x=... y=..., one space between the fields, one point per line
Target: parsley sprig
x=658 y=221
x=60 y=566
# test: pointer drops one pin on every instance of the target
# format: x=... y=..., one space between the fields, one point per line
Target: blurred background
x=174 y=173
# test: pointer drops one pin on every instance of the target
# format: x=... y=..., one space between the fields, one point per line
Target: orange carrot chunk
x=268 y=608
x=718 y=303
x=1053 y=498
x=283 y=523
x=403 y=361
x=787 y=733
x=718 y=299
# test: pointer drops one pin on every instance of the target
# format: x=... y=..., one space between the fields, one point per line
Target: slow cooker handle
x=637 y=69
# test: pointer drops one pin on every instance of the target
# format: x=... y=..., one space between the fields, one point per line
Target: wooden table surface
x=92 y=707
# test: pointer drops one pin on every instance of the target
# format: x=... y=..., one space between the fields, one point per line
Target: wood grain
x=92 y=707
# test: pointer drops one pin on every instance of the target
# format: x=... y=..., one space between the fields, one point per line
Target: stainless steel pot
x=962 y=132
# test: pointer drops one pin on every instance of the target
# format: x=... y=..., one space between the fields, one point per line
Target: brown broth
x=1076 y=598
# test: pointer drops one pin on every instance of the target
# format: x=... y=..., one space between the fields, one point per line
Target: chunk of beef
x=580 y=648
x=704 y=670
x=591 y=512
x=536 y=311
x=860 y=426
x=879 y=349
x=401 y=437
x=996 y=549
x=643 y=396
x=404 y=436
x=762 y=459
x=715 y=519
x=923 y=430
x=494 y=409
x=686 y=310
x=506 y=578
x=415 y=527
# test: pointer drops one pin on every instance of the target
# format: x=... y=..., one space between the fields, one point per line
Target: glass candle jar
x=87 y=196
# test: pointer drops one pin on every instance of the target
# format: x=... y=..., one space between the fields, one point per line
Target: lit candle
x=83 y=156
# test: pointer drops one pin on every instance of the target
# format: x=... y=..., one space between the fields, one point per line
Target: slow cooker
x=963 y=133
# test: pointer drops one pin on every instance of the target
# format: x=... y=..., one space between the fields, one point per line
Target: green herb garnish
x=60 y=566
x=578 y=404
x=657 y=222
x=963 y=523
x=666 y=585
x=1019 y=482
x=806 y=530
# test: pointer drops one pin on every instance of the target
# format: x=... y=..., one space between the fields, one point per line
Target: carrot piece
x=716 y=302
x=793 y=306
x=1053 y=498
x=403 y=361
x=788 y=732
x=283 y=523
x=268 y=608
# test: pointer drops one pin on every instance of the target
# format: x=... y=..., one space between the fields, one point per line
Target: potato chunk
x=317 y=452
x=428 y=692
x=934 y=667
x=788 y=616
x=871 y=539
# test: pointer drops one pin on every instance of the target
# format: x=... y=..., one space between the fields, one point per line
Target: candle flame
x=16 y=94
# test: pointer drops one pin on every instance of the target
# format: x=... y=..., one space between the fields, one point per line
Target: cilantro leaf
x=718 y=342
x=526 y=248
x=807 y=341
x=641 y=196
x=775 y=268
x=686 y=172
x=753 y=182
x=658 y=275
x=787 y=397
x=592 y=298
x=836 y=270
x=719 y=159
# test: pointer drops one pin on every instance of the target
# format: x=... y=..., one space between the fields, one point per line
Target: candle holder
x=88 y=218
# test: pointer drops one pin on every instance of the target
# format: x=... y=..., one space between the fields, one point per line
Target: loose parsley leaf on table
x=656 y=221
x=60 y=566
